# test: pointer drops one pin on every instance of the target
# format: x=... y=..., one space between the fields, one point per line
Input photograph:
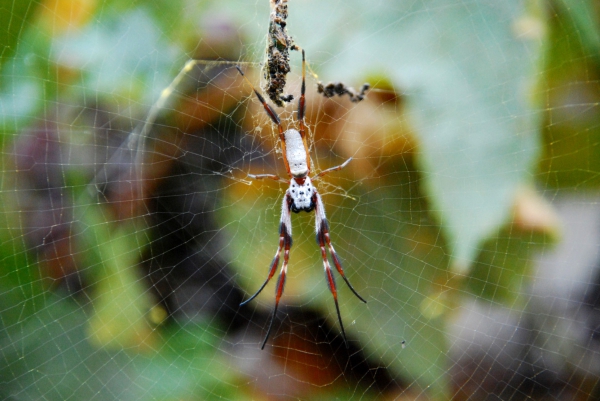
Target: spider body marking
x=301 y=195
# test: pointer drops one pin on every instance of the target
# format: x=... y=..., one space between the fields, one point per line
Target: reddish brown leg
x=323 y=240
x=268 y=176
x=302 y=109
x=286 y=237
x=285 y=243
x=280 y=285
x=274 y=263
x=331 y=284
x=274 y=117
x=330 y=169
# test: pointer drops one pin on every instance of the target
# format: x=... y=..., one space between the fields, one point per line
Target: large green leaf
x=466 y=74
x=465 y=71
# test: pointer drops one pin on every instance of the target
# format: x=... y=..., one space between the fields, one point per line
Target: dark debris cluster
x=340 y=89
x=278 y=60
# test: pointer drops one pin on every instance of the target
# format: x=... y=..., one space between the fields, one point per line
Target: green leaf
x=504 y=265
x=584 y=18
x=22 y=94
x=14 y=19
x=189 y=367
x=394 y=263
x=47 y=356
x=570 y=92
x=122 y=301
x=466 y=76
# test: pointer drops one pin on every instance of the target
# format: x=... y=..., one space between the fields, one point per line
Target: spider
x=300 y=196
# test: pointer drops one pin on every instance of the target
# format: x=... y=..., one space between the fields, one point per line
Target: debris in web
x=340 y=89
x=278 y=59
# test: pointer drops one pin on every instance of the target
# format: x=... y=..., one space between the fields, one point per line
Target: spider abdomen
x=295 y=153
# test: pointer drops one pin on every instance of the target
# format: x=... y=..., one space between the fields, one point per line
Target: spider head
x=302 y=191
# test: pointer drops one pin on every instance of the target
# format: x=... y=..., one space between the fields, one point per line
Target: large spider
x=300 y=196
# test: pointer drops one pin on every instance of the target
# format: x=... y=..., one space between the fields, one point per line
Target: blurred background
x=469 y=217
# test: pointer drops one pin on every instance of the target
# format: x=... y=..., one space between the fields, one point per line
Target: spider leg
x=274 y=263
x=302 y=100
x=268 y=108
x=278 y=289
x=273 y=115
x=271 y=176
x=323 y=239
x=285 y=243
x=330 y=169
x=331 y=285
x=286 y=234
x=336 y=261
x=302 y=109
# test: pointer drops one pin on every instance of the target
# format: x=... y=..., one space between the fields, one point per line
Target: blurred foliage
x=13 y=17
x=570 y=93
x=426 y=215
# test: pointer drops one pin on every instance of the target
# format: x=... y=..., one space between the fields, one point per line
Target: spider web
x=468 y=218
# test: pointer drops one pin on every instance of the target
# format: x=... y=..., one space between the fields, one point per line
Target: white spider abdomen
x=295 y=153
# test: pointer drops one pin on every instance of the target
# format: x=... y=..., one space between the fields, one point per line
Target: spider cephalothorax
x=301 y=195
